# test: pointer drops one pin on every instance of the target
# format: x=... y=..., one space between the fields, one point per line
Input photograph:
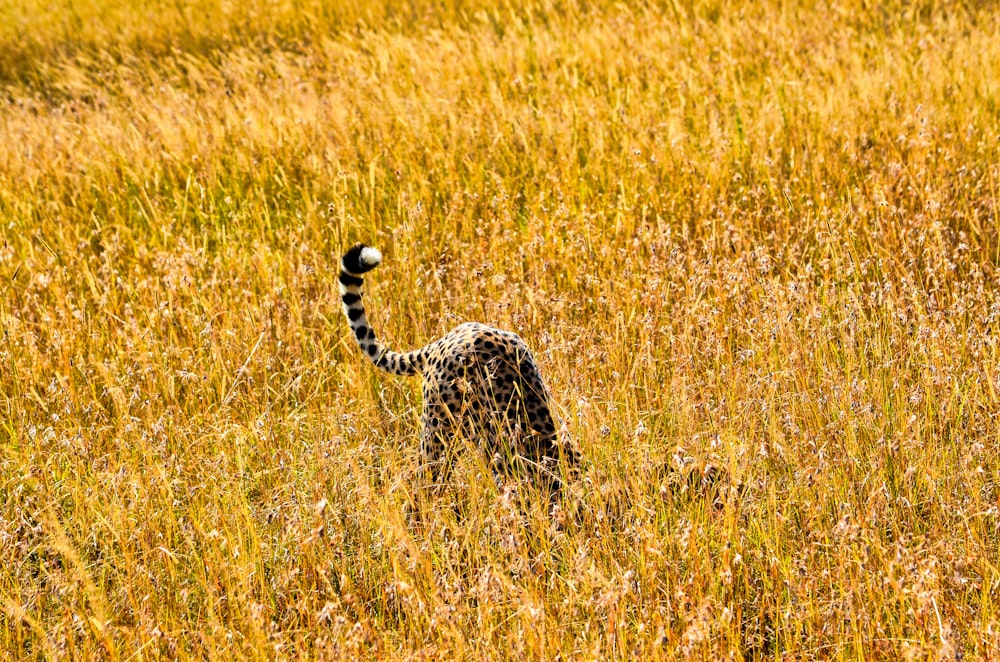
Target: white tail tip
x=371 y=257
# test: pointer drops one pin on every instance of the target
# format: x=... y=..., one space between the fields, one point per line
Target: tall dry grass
x=761 y=237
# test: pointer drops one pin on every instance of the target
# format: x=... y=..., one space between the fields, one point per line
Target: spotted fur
x=479 y=383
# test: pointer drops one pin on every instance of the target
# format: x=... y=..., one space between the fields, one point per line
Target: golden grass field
x=762 y=237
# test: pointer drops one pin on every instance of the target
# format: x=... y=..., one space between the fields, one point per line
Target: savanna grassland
x=754 y=247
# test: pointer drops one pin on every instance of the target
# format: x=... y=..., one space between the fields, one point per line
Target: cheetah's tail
x=356 y=262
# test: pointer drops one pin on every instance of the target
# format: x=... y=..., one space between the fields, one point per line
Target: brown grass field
x=761 y=237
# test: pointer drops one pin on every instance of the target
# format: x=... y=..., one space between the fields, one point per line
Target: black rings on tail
x=357 y=261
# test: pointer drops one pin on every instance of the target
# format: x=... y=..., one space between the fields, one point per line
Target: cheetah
x=479 y=383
